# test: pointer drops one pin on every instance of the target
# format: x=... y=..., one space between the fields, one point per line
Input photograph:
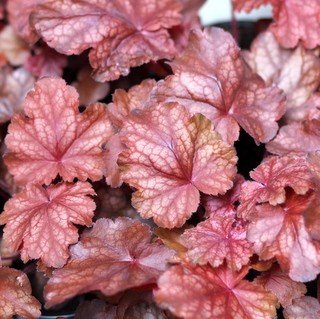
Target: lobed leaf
x=218 y=239
x=40 y=221
x=111 y=257
x=55 y=138
x=200 y=292
x=211 y=78
x=271 y=178
x=280 y=232
x=122 y=34
x=169 y=158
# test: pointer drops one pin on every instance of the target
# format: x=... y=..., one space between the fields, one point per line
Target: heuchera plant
x=124 y=129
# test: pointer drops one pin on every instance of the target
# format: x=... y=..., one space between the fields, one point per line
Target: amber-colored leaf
x=40 y=221
x=271 y=178
x=55 y=138
x=201 y=292
x=123 y=34
x=15 y=295
x=211 y=78
x=169 y=158
x=280 y=232
x=111 y=257
x=172 y=238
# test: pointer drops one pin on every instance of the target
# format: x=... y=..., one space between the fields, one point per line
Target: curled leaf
x=271 y=178
x=280 y=232
x=122 y=34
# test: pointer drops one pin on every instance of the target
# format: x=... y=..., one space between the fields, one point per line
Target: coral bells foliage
x=122 y=34
x=295 y=20
x=122 y=173
x=15 y=295
x=211 y=78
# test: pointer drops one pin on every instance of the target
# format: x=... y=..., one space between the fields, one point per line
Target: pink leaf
x=312 y=219
x=298 y=138
x=200 y=292
x=218 y=239
x=278 y=282
x=211 y=78
x=190 y=21
x=266 y=57
x=14 y=86
x=46 y=62
x=280 y=232
x=39 y=221
x=55 y=138
x=169 y=158
x=297 y=20
x=123 y=106
x=303 y=308
x=123 y=34
x=19 y=14
x=271 y=178
x=16 y=298
x=224 y=205
x=111 y=257
x=314 y=165
x=125 y=103
x=296 y=72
